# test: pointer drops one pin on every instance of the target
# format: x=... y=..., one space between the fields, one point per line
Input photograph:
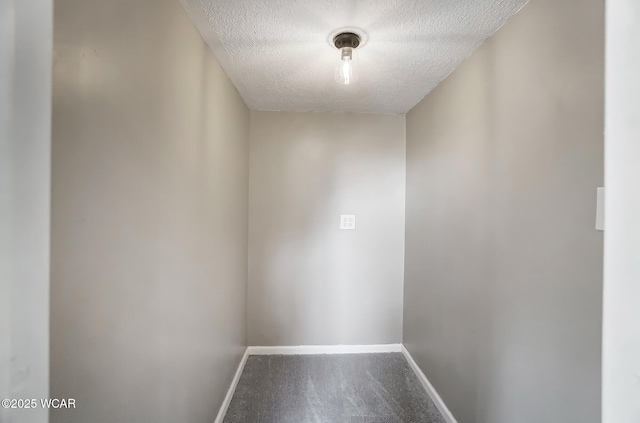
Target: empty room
x=319 y=211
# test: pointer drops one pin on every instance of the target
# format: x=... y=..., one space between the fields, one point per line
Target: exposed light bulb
x=346 y=43
x=345 y=74
x=346 y=68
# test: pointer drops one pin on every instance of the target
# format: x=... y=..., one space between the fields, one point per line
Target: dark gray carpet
x=349 y=388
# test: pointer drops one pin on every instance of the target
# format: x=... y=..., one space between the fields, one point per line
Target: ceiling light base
x=346 y=39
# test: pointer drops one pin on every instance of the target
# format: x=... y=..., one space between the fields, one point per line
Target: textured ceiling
x=279 y=56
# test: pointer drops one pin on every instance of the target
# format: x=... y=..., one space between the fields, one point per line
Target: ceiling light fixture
x=346 y=42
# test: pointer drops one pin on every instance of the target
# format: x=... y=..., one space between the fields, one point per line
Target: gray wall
x=310 y=282
x=621 y=349
x=503 y=288
x=6 y=198
x=25 y=180
x=149 y=219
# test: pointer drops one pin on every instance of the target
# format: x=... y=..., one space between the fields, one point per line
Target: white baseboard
x=234 y=383
x=429 y=388
x=324 y=349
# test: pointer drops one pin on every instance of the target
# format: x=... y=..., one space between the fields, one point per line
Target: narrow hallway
x=319 y=211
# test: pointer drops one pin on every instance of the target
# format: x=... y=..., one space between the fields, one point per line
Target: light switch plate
x=600 y=210
x=348 y=222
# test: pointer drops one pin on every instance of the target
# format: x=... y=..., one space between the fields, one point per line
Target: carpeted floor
x=345 y=388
